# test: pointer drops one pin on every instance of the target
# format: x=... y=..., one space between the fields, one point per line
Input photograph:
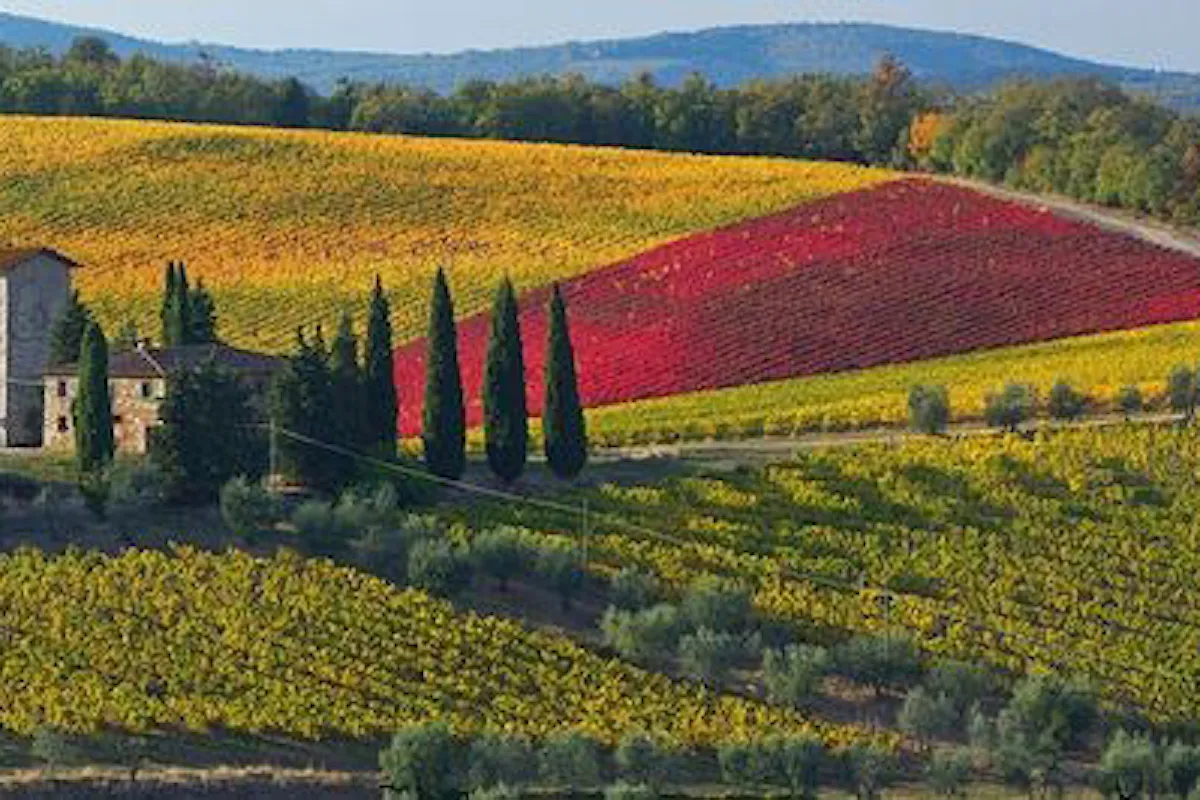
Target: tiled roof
x=154 y=362
x=16 y=256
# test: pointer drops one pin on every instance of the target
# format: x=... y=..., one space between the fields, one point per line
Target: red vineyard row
x=908 y=271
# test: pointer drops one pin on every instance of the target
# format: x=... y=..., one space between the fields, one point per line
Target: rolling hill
x=729 y=56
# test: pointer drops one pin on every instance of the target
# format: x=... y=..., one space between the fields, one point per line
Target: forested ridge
x=1078 y=136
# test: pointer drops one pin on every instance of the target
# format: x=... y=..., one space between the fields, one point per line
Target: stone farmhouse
x=138 y=383
x=35 y=285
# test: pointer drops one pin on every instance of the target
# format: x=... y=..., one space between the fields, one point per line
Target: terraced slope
x=907 y=271
x=308 y=650
x=290 y=227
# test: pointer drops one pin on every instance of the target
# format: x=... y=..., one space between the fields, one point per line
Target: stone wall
x=32 y=296
x=135 y=411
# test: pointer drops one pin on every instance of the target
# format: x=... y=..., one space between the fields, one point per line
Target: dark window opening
x=147 y=390
x=62 y=425
x=118 y=419
x=62 y=388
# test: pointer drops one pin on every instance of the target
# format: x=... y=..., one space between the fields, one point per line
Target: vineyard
x=1074 y=553
x=196 y=641
x=907 y=271
x=288 y=228
x=1100 y=365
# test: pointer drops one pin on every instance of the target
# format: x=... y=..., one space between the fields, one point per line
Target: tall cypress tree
x=94 y=444
x=506 y=416
x=170 y=278
x=445 y=422
x=302 y=404
x=562 y=418
x=202 y=316
x=177 y=314
x=66 y=337
x=347 y=380
x=381 y=403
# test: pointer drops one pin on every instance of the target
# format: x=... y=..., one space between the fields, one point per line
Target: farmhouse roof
x=153 y=362
x=13 y=257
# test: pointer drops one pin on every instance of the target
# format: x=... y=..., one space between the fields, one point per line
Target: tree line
x=1080 y=136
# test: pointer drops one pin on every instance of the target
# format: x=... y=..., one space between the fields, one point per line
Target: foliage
x=208 y=434
x=381 y=404
x=871 y=770
x=709 y=656
x=926 y=716
x=1131 y=768
x=1010 y=407
x=92 y=409
x=506 y=423
x=622 y=790
x=437 y=567
x=948 y=772
x=445 y=421
x=265 y=635
x=502 y=553
x=569 y=759
x=1182 y=391
x=562 y=570
x=300 y=403
x=1130 y=400
x=248 y=508
x=563 y=424
x=717 y=605
x=633 y=589
x=647 y=636
x=346 y=383
x=1181 y=768
x=642 y=760
x=794 y=676
x=497 y=760
x=962 y=683
x=423 y=763
x=66 y=337
x=890 y=660
x=928 y=409
x=1065 y=403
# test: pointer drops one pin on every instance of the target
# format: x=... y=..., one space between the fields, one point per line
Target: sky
x=1148 y=33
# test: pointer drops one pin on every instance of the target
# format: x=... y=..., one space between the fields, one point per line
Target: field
x=908 y=271
x=1100 y=365
x=1073 y=553
x=301 y=648
x=289 y=228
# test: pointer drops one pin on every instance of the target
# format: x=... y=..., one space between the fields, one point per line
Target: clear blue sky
x=1155 y=33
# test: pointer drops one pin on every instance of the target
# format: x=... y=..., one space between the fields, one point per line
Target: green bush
x=633 y=589
x=562 y=570
x=1129 y=400
x=888 y=661
x=435 y=566
x=1181 y=391
x=747 y=765
x=1181 y=764
x=499 y=791
x=248 y=508
x=716 y=604
x=383 y=552
x=928 y=409
x=948 y=773
x=1130 y=768
x=964 y=684
x=1010 y=407
x=647 y=637
x=630 y=791
x=641 y=760
x=496 y=761
x=424 y=763
x=502 y=554
x=796 y=763
x=795 y=675
x=1065 y=404
x=319 y=529
x=570 y=760
x=709 y=656
x=871 y=771
x=54 y=749
x=926 y=716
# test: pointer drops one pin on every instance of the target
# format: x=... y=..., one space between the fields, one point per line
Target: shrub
x=717 y=605
x=319 y=529
x=926 y=716
x=964 y=684
x=248 y=508
x=633 y=590
x=139 y=485
x=1065 y=403
x=928 y=409
x=1181 y=391
x=630 y=791
x=1129 y=401
x=95 y=488
x=745 y=765
x=640 y=760
x=1010 y=407
x=570 y=760
x=1181 y=766
x=794 y=676
x=797 y=763
x=496 y=761
x=888 y=661
x=499 y=791
x=1130 y=768
x=948 y=773
x=423 y=763
x=1046 y=709
x=502 y=554
x=435 y=566
x=383 y=552
x=871 y=771
x=709 y=656
x=562 y=570
x=644 y=636
x=54 y=749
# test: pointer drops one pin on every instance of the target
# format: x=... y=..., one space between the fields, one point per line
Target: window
x=118 y=419
x=147 y=390
x=62 y=388
x=62 y=425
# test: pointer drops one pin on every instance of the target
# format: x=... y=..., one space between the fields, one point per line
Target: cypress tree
x=347 y=388
x=445 y=422
x=381 y=404
x=302 y=403
x=177 y=317
x=66 y=337
x=170 y=278
x=202 y=316
x=506 y=418
x=562 y=417
x=94 y=443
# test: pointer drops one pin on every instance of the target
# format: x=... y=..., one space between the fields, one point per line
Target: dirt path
x=1146 y=229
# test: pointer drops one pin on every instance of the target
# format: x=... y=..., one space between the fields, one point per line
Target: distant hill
x=727 y=55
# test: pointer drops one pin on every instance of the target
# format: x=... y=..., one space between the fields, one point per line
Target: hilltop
x=727 y=55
